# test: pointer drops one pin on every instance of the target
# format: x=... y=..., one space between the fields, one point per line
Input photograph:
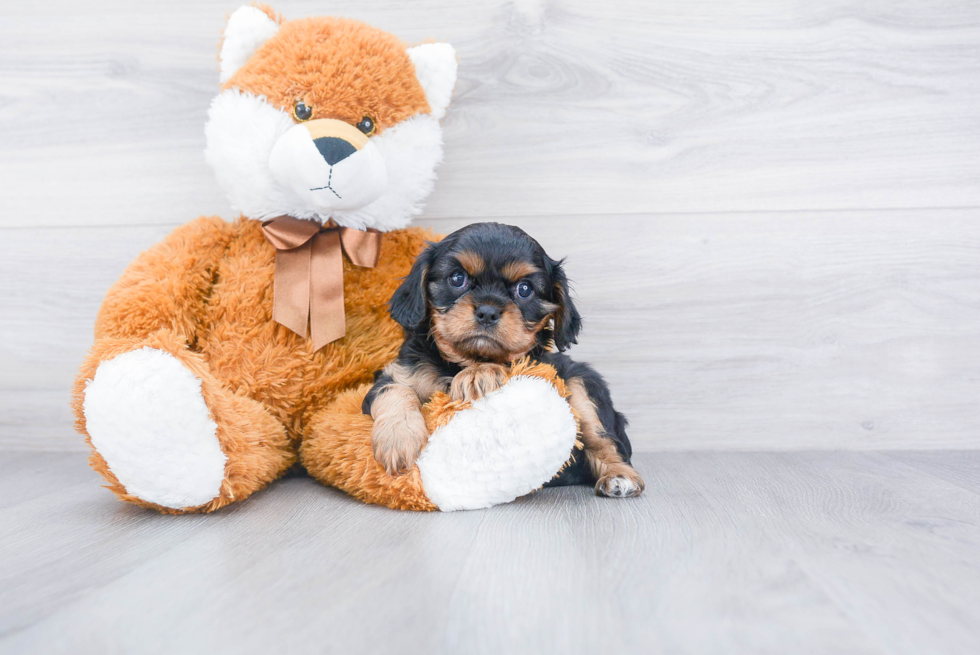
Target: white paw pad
x=508 y=444
x=617 y=487
x=147 y=418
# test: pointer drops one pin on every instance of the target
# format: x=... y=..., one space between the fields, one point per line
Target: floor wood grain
x=811 y=552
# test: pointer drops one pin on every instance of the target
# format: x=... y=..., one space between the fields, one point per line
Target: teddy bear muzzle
x=330 y=164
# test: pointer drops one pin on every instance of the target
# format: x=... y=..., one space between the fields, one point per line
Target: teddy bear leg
x=505 y=445
x=337 y=451
x=167 y=434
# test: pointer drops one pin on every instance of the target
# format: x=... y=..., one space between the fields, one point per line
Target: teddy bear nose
x=334 y=149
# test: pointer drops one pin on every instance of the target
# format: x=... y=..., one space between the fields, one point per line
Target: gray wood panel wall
x=770 y=209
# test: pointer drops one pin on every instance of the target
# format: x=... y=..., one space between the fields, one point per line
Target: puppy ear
x=410 y=302
x=568 y=321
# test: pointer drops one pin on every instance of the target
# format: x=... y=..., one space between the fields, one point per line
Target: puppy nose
x=334 y=149
x=487 y=315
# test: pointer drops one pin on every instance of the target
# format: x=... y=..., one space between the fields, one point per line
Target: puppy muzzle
x=330 y=164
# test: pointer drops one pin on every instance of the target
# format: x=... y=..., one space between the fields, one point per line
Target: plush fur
x=532 y=429
x=204 y=296
x=192 y=397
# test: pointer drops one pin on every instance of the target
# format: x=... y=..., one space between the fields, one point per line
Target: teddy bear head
x=327 y=119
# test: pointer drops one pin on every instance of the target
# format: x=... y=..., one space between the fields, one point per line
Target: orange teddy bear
x=229 y=350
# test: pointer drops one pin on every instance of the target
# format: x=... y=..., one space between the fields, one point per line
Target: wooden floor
x=807 y=552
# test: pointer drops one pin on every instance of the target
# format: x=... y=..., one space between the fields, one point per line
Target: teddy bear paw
x=508 y=444
x=147 y=418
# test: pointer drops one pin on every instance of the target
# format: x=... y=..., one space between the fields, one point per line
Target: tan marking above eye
x=471 y=261
x=516 y=270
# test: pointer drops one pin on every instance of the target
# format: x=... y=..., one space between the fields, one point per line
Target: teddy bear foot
x=147 y=418
x=507 y=445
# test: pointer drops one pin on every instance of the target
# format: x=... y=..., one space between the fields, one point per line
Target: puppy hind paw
x=619 y=486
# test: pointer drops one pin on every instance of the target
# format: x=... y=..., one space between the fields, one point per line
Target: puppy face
x=487 y=293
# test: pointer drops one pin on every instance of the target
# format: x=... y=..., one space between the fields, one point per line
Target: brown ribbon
x=309 y=283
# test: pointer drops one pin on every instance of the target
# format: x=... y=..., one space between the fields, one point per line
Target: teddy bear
x=230 y=351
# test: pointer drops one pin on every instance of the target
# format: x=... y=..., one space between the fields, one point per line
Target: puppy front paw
x=476 y=381
x=621 y=484
x=397 y=439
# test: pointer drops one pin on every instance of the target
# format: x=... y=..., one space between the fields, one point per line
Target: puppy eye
x=457 y=280
x=366 y=125
x=302 y=111
x=524 y=290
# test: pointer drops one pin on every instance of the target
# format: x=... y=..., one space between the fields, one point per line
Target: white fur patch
x=619 y=487
x=243 y=130
x=248 y=28
x=435 y=67
x=147 y=418
x=351 y=183
x=412 y=150
x=508 y=444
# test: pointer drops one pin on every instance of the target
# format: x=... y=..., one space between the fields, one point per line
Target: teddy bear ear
x=247 y=29
x=435 y=66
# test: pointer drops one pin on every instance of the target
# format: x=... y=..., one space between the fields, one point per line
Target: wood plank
x=56 y=547
x=726 y=552
x=562 y=108
x=882 y=526
x=734 y=331
x=348 y=548
x=25 y=475
x=961 y=468
x=783 y=546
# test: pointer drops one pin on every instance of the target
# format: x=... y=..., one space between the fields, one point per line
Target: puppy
x=481 y=298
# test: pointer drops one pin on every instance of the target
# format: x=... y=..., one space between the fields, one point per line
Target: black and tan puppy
x=483 y=297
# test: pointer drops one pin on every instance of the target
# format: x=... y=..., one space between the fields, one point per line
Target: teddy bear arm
x=167 y=285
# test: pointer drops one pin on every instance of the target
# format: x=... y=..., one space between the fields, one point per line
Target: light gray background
x=769 y=208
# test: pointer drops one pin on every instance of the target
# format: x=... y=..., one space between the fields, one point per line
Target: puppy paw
x=397 y=438
x=476 y=381
x=622 y=485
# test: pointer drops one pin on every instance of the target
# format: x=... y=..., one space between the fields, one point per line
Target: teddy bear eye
x=302 y=111
x=366 y=125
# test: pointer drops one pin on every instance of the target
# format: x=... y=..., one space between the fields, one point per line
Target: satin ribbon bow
x=309 y=282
